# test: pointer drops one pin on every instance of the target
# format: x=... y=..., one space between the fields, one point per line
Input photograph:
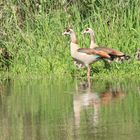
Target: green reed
x=44 y=108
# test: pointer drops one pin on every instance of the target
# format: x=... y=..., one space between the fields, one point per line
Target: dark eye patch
x=68 y=30
x=87 y=29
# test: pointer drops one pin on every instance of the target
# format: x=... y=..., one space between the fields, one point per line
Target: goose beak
x=83 y=33
x=64 y=33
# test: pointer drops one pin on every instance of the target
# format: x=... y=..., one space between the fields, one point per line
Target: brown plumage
x=95 y=52
x=108 y=53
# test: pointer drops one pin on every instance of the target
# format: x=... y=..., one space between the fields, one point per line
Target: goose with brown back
x=115 y=55
x=84 y=58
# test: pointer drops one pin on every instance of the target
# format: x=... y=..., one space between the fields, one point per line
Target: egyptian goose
x=84 y=58
x=114 y=54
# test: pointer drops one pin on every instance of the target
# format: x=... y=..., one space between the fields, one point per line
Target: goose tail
x=122 y=58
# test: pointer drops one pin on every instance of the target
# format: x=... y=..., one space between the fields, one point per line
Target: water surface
x=48 y=109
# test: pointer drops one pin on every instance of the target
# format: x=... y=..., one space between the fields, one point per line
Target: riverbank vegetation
x=31 y=40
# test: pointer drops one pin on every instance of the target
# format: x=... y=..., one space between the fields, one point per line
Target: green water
x=50 y=109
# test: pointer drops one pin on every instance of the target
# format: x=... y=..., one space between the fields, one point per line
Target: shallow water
x=45 y=109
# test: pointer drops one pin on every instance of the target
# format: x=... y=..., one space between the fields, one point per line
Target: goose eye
x=68 y=30
x=87 y=29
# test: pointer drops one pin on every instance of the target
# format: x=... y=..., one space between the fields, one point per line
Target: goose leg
x=88 y=75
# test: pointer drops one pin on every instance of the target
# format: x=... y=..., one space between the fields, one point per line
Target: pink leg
x=88 y=75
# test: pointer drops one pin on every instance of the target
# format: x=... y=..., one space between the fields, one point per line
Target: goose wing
x=90 y=51
x=109 y=51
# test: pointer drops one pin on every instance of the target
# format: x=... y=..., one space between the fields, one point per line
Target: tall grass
x=31 y=31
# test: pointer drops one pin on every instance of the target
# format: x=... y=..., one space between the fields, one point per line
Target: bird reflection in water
x=86 y=97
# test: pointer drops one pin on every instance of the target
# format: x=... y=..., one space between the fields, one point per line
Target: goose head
x=88 y=31
x=72 y=35
x=68 y=31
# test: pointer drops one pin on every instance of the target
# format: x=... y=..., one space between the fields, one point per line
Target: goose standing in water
x=114 y=54
x=84 y=58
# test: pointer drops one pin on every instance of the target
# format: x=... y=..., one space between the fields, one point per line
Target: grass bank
x=31 y=33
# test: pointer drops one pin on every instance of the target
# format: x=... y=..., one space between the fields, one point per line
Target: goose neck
x=92 y=37
x=73 y=38
x=92 y=43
